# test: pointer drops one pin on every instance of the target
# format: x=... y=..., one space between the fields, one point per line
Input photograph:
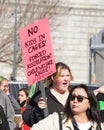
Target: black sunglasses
x=79 y=98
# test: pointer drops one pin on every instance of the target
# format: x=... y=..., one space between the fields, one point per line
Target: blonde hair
x=59 y=67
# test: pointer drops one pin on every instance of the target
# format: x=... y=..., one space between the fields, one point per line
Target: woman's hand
x=99 y=90
x=41 y=103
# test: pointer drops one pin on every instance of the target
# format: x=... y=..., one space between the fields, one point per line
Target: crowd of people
x=74 y=108
x=80 y=113
x=57 y=92
x=12 y=107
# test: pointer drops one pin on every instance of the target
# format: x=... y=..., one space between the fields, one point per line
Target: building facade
x=75 y=22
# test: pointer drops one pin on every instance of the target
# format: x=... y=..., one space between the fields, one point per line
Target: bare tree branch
x=27 y=12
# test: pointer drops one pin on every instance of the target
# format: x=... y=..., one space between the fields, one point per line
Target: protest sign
x=37 y=51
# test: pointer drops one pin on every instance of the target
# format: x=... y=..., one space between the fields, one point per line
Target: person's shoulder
x=100 y=96
x=35 y=97
x=3 y=94
x=52 y=116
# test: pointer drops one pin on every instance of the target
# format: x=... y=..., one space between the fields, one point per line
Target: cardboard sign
x=37 y=51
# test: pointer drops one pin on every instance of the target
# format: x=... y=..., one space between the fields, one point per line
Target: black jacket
x=3 y=120
x=100 y=98
x=33 y=113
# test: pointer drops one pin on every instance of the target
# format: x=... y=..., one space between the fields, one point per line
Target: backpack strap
x=60 y=121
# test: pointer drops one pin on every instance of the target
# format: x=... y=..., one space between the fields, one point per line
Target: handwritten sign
x=37 y=51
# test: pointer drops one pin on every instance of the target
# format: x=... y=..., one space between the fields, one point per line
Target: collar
x=69 y=124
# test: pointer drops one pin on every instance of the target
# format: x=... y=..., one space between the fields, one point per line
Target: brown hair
x=26 y=90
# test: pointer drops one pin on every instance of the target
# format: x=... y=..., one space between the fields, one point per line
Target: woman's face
x=82 y=105
x=22 y=96
x=63 y=81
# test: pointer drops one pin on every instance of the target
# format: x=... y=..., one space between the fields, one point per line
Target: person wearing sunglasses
x=82 y=109
x=81 y=113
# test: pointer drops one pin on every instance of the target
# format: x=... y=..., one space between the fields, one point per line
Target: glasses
x=79 y=98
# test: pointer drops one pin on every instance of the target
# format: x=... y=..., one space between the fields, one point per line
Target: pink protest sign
x=37 y=51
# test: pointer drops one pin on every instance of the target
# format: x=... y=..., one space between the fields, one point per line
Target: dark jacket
x=4 y=125
x=33 y=113
x=100 y=98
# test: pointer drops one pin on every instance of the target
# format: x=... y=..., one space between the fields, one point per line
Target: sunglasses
x=79 y=98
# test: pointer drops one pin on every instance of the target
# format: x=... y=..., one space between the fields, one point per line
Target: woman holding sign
x=56 y=95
